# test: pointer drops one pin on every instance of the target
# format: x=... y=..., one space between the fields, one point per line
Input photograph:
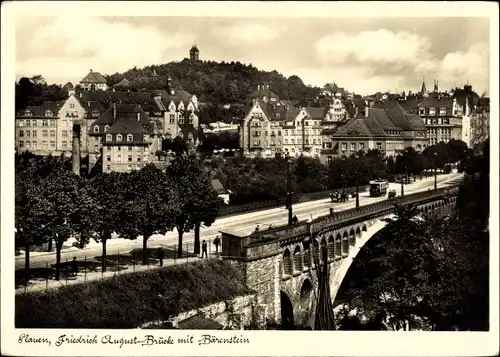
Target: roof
x=124 y=112
x=124 y=83
x=177 y=97
x=39 y=110
x=433 y=101
x=316 y=112
x=94 y=78
x=259 y=93
x=199 y=322
x=126 y=124
x=400 y=117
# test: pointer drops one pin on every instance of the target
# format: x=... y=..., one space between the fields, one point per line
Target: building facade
x=94 y=81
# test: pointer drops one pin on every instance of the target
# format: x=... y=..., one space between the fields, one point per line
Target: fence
x=41 y=275
x=298 y=198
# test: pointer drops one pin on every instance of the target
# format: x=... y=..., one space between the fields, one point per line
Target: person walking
x=216 y=243
x=161 y=255
x=204 y=249
x=74 y=267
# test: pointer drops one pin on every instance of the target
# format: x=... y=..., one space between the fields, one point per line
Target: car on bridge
x=378 y=188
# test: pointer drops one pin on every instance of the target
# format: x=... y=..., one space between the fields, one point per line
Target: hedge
x=130 y=300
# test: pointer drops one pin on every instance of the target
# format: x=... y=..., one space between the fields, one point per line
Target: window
x=96 y=129
x=361 y=146
x=129 y=158
x=33 y=123
x=432 y=111
x=21 y=133
x=21 y=144
x=129 y=167
x=172 y=118
x=108 y=167
x=52 y=133
x=421 y=111
x=45 y=133
x=95 y=114
x=442 y=111
x=286 y=141
x=64 y=133
x=64 y=143
x=191 y=119
x=108 y=148
x=34 y=133
x=109 y=137
x=52 y=144
x=353 y=146
x=119 y=158
x=138 y=149
x=129 y=148
x=181 y=120
x=138 y=159
x=119 y=137
x=33 y=144
x=145 y=158
x=52 y=122
x=72 y=105
x=292 y=141
x=379 y=146
x=108 y=158
x=344 y=147
x=27 y=144
x=45 y=122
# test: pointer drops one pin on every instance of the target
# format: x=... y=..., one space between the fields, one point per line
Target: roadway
x=239 y=224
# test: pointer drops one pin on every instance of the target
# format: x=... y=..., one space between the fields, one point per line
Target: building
x=122 y=139
x=480 y=122
x=264 y=94
x=219 y=127
x=94 y=81
x=261 y=132
x=194 y=53
x=39 y=129
x=386 y=127
x=442 y=117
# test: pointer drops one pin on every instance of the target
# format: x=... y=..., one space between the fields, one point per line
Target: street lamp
x=435 y=172
x=357 y=182
x=289 y=189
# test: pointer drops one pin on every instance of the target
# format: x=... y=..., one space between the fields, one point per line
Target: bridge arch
x=306 y=254
x=352 y=237
x=287 y=263
x=364 y=229
x=358 y=232
x=331 y=248
x=323 y=251
x=338 y=246
x=306 y=289
x=287 y=318
x=345 y=244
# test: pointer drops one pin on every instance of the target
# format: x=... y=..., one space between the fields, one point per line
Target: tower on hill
x=194 y=53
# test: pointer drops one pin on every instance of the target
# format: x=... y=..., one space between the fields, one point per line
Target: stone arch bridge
x=278 y=263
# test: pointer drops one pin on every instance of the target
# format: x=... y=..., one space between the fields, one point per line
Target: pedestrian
x=217 y=242
x=74 y=267
x=257 y=228
x=161 y=255
x=204 y=249
x=331 y=196
x=295 y=219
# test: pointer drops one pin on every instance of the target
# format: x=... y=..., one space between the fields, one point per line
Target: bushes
x=128 y=301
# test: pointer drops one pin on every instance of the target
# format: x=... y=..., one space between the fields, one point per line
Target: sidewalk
x=86 y=275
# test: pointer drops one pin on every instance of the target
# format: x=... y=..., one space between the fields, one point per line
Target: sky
x=363 y=55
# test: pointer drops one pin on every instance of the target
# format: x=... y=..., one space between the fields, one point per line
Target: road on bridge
x=239 y=224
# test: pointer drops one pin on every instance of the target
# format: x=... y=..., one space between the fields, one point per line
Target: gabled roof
x=126 y=124
x=434 y=101
x=124 y=111
x=93 y=78
x=400 y=117
x=316 y=112
x=177 y=97
x=39 y=110
x=259 y=93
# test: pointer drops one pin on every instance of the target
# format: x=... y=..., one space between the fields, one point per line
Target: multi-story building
x=442 y=117
x=38 y=128
x=261 y=132
x=94 y=81
x=480 y=122
x=386 y=127
x=265 y=94
x=122 y=131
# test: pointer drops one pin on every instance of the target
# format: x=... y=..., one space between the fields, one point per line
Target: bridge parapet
x=269 y=242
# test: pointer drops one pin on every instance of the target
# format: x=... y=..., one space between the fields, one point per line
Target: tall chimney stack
x=76 y=149
x=138 y=116
x=114 y=112
x=367 y=111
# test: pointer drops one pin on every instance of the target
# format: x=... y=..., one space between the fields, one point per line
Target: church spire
x=423 y=90
x=436 y=88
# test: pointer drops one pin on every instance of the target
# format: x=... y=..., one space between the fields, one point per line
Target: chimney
x=76 y=149
x=367 y=111
x=138 y=116
x=114 y=111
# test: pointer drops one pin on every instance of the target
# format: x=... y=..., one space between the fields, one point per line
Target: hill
x=214 y=82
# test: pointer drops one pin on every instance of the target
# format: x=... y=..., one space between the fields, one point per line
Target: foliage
x=214 y=82
x=223 y=140
x=199 y=199
x=35 y=91
x=130 y=300
x=150 y=205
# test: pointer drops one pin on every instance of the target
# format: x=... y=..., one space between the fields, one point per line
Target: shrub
x=128 y=301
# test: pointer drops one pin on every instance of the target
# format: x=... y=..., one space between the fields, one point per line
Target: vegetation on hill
x=131 y=300
x=214 y=82
x=35 y=91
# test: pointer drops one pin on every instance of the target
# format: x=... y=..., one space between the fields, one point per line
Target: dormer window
x=96 y=129
x=442 y=111
x=95 y=114
x=172 y=108
x=109 y=137
x=48 y=113
x=277 y=115
x=421 y=111
x=432 y=111
x=28 y=113
x=106 y=128
x=119 y=137
x=130 y=138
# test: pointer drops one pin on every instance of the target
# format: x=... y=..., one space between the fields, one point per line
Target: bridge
x=278 y=262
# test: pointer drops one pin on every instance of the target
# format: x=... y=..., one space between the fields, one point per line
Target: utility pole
x=435 y=172
x=289 y=189
x=357 y=182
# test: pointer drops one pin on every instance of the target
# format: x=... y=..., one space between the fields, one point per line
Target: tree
x=150 y=206
x=108 y=190
x=68 y=208
x=199 y=198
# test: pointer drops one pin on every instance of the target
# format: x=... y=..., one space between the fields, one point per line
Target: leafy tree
x=199 y=198
x=176 y=145
x=150 y=206
x=108 y=190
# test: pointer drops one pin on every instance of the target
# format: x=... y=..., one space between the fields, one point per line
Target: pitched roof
x=124 y=83
x=434 y=101
x=316 y=112
x=39 y=110
x=177 y=97
x=94 y=78
x=259 y=93
x=126 y=124
x=400 y=117
x=124 y=111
